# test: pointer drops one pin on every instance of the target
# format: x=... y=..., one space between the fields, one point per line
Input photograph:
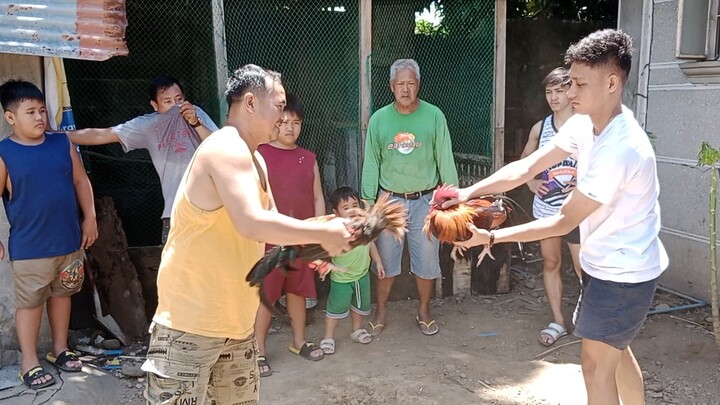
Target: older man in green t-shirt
x=407 y=154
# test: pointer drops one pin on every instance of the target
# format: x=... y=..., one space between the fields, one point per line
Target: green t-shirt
x=406 y=153
x=357 y=263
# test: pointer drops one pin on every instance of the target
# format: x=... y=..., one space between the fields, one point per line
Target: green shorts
x=343 y=297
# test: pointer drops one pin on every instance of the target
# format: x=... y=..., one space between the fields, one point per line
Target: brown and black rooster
x=450 y=224
x=364 y=226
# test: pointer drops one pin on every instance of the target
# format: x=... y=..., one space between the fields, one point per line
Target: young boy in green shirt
x=350 y=290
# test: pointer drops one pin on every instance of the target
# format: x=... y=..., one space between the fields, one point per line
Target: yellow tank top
x=201 y=282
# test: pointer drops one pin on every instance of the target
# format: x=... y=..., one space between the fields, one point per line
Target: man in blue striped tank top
x=550 y=189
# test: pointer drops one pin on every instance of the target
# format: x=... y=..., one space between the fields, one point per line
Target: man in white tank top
x=550 y=189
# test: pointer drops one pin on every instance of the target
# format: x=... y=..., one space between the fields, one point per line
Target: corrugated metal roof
x=78 y=29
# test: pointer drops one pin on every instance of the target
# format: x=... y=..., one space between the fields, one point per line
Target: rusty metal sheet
x=77 y=29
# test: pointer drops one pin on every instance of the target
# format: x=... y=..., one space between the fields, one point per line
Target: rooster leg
x=486 y=252
x=455 y=250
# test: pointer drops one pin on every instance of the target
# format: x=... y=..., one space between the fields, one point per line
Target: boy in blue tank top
x=42 y=182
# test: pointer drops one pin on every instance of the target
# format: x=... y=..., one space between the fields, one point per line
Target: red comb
x=445 y=192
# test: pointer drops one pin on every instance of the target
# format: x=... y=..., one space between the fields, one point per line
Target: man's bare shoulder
x=224 y=142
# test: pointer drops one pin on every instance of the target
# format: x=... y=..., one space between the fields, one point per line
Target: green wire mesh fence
x=315 y=45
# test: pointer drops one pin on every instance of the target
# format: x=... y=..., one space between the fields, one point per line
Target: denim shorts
x=424 y=258
x=611 y=312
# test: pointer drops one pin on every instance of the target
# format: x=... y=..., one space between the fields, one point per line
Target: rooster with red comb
x=450 y=224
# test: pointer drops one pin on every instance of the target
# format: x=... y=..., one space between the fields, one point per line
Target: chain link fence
x=315 y=45
x=165 y=37
x=453 y=42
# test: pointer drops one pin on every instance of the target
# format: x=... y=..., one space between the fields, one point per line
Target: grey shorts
x=611 y=312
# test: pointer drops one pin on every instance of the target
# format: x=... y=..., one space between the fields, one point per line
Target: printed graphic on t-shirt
x=71 y=277
x=558 y=179
x=404 y=142
x=174 y=135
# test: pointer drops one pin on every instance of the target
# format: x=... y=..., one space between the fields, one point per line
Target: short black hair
x=14 y=92
x=343 y=193
x=247 y=78
x=558 y=77
x=162 y=83
x=606 y=47
x=294 y=105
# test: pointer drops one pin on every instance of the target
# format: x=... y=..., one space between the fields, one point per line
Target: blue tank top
x=43 y=210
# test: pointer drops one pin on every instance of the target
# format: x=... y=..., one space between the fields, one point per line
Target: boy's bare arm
x=535 y=185
x=318 y=195
x=222 y=178
x=3 y=180
x=84 y=193
x=533 y=140
x=93 y=136
x=375 y=256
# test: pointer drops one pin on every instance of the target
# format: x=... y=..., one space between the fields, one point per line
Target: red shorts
x=298 y=282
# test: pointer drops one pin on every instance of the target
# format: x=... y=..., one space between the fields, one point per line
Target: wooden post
x=221 y=66
x=365 y=85
x=499 y=92
x=447 y=269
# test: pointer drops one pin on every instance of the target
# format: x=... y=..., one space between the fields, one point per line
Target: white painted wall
x=682 y=116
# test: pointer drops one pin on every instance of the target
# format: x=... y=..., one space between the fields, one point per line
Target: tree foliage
x=577 y=10
x=465 y=16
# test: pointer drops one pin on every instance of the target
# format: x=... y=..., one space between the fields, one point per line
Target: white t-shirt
x=619 y=241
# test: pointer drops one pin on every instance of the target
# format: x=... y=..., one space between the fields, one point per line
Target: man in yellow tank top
x=203 y=346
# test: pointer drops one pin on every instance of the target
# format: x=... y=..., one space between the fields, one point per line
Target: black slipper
x=63 y=359
x=34 y=374
x=263 y=363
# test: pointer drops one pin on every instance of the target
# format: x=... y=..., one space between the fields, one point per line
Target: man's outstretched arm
x=93 y=136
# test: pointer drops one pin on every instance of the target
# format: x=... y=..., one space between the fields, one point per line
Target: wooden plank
x=365 y=85
x=499 y=92
x=116 y=279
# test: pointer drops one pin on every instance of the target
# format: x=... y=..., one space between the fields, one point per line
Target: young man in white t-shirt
x=615 y=204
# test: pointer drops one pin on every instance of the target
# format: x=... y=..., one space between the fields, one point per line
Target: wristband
x=492 y=239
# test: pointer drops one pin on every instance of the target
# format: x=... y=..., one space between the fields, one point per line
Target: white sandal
x=361 y=336
x=554 y=331
x=328 y=345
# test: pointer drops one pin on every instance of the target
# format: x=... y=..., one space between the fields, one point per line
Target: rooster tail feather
x=392 y=213
x=514 y=205
x=278 y=256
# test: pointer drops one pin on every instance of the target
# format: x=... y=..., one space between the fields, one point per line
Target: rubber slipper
x=34 y=374
x=427 y=328
x=361 y=336
x=306 y=351
x=376 y=328
x=553 y=333
x=63 y=359
x=263 y=363
x=328 y=346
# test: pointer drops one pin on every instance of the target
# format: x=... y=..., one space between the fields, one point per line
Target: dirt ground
x=487 y=352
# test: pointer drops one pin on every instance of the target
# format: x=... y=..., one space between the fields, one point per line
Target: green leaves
x=708 y=156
